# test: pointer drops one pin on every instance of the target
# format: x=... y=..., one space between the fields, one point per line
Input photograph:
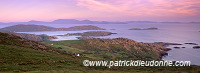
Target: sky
x=100 y=10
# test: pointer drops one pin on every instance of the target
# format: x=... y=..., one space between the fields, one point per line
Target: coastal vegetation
x=22 y=55
x=113 y=49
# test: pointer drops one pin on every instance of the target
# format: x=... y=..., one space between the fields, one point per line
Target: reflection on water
x=173 y=33
x=65 y=38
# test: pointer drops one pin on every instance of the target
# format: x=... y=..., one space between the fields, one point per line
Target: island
x=196 y=47
x=89 y=33
x=32 y=27
x=151 y=28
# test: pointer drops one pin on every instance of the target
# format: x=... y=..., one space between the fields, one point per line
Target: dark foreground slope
x=17 y=54
x=21 y=55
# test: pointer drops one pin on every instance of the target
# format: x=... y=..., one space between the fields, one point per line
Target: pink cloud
x=96 y=5
x=100 y=9
x=143 y=7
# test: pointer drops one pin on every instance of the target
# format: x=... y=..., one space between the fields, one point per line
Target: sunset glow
x=103 y=10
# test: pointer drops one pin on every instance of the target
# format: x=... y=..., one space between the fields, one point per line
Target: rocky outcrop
x=177 y=47
x=167 y=49
x=191 y=43
x=196 y=47
x=166 y=44
x=90 y=33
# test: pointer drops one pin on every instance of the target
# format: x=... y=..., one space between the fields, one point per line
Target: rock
x=175 y=44
x=135 y=29
x=167 y=49
x=166 y=44
x=163 y=53
x=76 y=54
x=196 y=47
x=182 y=47
x=191 y=43
x=177 y=47
x=152 y=28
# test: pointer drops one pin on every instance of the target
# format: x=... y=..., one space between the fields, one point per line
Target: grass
x=192 y=69
x=63 y=45
x=17 y=56
x=99 y=49
x=24 y=59
x=19 y=59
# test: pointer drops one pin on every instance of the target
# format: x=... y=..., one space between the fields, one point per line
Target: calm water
x=173 y=33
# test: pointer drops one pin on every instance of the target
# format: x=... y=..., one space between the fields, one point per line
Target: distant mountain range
x=66 y=21
x=74 y=21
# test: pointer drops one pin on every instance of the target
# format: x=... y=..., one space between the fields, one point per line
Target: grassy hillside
x=21 y=55
x=17 y=54
x=112 y=49
x=95 y=49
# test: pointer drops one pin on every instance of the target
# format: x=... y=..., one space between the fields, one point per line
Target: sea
x=166 y=32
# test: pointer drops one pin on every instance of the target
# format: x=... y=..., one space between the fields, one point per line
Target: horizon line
x=100 y=21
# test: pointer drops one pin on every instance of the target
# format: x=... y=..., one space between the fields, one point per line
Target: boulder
x=196 y=47
x=191 y=43
x=167 y=49
x=177 y=47
x=182 y=47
